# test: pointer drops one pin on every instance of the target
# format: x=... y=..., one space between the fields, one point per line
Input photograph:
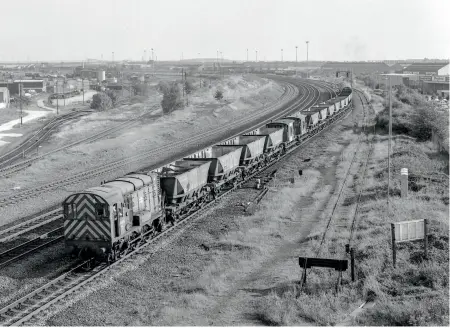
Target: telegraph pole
x=307 y=49
x=20 y=95
x=296 y=54
x=389 y=144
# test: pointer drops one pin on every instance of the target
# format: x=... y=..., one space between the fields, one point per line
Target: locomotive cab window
x=69 y=211
x=100 y=211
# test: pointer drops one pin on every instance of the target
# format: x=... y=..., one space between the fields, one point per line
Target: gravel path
x=216 y=272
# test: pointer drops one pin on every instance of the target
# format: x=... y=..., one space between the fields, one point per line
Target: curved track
x=52 y=219
x=34 y=142
x=28 y=307
x=38 y=137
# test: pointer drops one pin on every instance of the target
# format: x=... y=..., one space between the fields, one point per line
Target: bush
x=172 y=99
x=163 y=87
x=218 y=95
x=188 y=87
x=101 y=101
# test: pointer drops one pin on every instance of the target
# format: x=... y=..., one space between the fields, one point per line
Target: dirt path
x=239 y=305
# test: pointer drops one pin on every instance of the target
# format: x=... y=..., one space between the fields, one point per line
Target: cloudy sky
x=337 y=29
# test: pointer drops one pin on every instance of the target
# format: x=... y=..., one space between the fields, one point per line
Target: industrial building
x=359 y=67
x=26 y=85
x=4 y=97
x=432 y=78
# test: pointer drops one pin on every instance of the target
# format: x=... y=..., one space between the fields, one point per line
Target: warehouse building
x=4 y=97
x=433 y=78
x=358 y=67
x=26 y=85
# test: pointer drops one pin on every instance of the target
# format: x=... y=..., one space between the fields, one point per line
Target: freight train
x=109 y=220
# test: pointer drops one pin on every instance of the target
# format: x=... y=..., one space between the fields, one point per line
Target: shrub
x=172 y=99
x=101 y=101
x=218 y=95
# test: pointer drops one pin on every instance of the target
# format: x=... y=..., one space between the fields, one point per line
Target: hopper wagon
x=184 y=183
x=300 y=126
x=273 y=138
x=224 y=163
x=288 y=128
x=312 y=118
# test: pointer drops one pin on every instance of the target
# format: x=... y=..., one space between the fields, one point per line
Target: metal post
x=425 y=237
x=404 y=182
x=352 y=263
x=389 y=146
x=394 y=245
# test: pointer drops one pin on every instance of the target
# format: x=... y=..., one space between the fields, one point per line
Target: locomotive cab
x=105 y=220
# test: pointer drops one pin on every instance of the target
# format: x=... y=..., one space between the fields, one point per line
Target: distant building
x=37 y=85
x=4 y=97
x=358 y=67
x=432 y=77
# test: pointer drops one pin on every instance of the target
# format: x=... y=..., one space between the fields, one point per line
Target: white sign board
x=409 y=230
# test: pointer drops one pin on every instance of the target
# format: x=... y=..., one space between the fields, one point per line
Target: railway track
x=343 y=216
x=52 y=219
x=20 y=251
x=203 y=139
x=38 y=137
x=8 y=170
x=28 y=308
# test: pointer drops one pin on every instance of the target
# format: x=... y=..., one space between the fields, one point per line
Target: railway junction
x=302 y=194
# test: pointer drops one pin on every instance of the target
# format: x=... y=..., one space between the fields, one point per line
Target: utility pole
x=389 y=144
x=307 y=46
x=113 y=57
x=281 y=55
x=182 y=77
x=296 y=54
x=20 y=95
x=57 y=97
x=247 y=55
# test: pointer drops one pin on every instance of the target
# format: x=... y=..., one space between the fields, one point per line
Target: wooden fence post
x=425 y=237
x=352 y=263
x=394 y=246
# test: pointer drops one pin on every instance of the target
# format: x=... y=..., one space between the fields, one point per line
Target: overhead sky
x=336 y=29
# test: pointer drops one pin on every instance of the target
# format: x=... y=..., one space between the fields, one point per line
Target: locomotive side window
x=69 y=211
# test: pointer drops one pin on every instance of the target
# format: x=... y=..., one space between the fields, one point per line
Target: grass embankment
x=416 y=291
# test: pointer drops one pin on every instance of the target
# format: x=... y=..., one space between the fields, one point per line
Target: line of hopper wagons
x=107 y=221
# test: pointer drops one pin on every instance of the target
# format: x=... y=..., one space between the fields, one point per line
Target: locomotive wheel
x=88 y=265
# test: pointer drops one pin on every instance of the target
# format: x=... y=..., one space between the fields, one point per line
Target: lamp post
x=307 y=49
x=307 y=59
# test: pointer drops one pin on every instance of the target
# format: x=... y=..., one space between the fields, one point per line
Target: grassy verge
x=413 y=293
